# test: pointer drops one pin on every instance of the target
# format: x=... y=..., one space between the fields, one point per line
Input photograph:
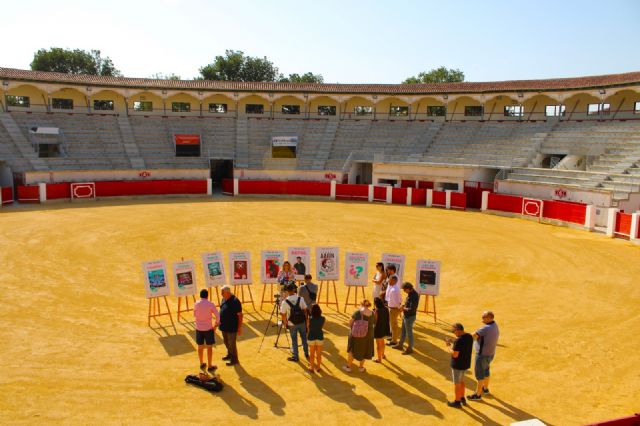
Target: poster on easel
x=428 y=277
x=327 y=263
x=356 y=269
x=398 y=261
x=270 y=265
x=240 y=267
x=184 y=274
x=213 y=264
x=156 y=281
x=300 y=259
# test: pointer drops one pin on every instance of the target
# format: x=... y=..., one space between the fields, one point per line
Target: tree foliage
x=74 y=61
x=162 y=76
x=437 y=75
x=235 y=66
x=308 y=77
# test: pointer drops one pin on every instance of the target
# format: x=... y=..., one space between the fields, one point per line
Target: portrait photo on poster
x=428 y=277
x=213 y=265
x=327 y=263
x=155 y=278
x=300 y=258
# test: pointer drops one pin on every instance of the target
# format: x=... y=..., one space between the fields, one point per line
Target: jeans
x=407 y=330
x=482 y=366
x=294 y=329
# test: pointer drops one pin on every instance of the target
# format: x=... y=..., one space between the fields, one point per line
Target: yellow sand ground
x=76 y=348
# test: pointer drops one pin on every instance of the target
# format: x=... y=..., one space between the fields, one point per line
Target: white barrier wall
x=310 y=175
x=32 y=178
x=548 y=192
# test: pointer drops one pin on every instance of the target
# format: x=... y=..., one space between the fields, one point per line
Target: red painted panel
x=7 y=195
x=272 y=187
x=425 y=184
x=439 y=198
x=418 y=197
x=505 y=203
x=352 y=192
x=150 y=187
x=28 y=193
x=565 y=211
x=227 y=186
x=623 y=421
x=623 y=224
x=459 y=200
x=319 y=189
x=379 y=193
x=58 y=191
x=399 y=195
x=407 y=183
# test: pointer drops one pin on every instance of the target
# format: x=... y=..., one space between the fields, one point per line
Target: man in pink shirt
x=203 y=311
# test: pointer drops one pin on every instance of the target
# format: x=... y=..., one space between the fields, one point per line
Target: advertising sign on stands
x=213 y=264
x=184 y=273
x=156 y=281
x=300 y=259
x=270 y=265
x=356 y=269
x=240 y=267
x=398 y=261
x=428 y=277
x=327 y=263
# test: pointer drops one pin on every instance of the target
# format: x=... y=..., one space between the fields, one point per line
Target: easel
x=264 y=293
x=241 y=298
x=155 y=311
x=426 y=306
x=186 y=302
x=211 y=294
x=335 y=294
x=355 y=296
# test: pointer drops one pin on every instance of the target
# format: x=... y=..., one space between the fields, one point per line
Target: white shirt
x=285 y=308
x=393 y=296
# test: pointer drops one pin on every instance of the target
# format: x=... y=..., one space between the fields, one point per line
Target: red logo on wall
x=531 y=207
x=330 y=176
x=144 y=174
x=561 y=193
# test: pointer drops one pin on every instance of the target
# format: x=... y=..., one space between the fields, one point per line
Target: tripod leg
x=273 y=312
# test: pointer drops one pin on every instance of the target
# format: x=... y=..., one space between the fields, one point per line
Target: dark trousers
x=230 y=344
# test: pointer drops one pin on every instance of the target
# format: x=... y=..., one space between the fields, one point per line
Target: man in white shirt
x=294 y=317
x=393 y=297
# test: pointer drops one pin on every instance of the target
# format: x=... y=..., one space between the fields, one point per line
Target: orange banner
x=186 y=139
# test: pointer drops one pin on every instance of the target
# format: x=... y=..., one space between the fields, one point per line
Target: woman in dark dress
x=315 y=338
x=361 y=348
x=381 y=329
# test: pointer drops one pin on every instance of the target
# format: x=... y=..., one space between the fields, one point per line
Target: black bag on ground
x=212 y=384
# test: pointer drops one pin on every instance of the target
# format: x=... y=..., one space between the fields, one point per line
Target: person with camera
x=460 y=350
x=308 y=291
x=294 y=317
x=409 y=311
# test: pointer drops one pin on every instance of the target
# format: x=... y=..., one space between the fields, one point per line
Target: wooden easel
x=156 y=311
x=264 y=293
x=355 y=296
x=186 y=302
x=426 y=307
x=241 y=296
x=217 y=294
x=335 y=294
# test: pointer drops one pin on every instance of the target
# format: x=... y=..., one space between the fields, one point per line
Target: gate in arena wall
x=219 y=169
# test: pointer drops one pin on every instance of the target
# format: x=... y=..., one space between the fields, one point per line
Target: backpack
x=211 y=384
x=360 y=327
x=296 y=316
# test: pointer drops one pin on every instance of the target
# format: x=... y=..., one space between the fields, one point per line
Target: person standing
x=203 y=312
x=377 y=280
x=394 y=303
x=316 y=338
x=308 y=291
x=381 y=329
x=360 y=344
x=460 y=350
x=294 y=317
x=409 y=310
x=230 y=323
x=486 y=341
x=286 y=274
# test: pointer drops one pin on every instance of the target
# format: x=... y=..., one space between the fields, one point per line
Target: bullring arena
x=89 y=194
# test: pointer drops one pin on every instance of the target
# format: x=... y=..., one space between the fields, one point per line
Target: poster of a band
x=300 y=258
x=398 y=261
x=240 y=267
x=155 y=278
x=327 y=263
x=356 y=269
x=428 y=277
x=184 y=274
x=214 y=269
x=270 y=265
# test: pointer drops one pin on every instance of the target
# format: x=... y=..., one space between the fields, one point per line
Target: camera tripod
x=275 y=312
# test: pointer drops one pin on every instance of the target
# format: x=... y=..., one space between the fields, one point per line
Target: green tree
x=437 y=75
x=161 y=76
x=74 y=61
x=235 y=66
x=308 y=77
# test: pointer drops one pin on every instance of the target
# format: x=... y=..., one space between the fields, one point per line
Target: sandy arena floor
x=76 y=348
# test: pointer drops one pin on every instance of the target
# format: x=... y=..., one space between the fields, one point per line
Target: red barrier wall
x=407 y=183
x=439 y=198
x=459 y=200
x=28 y=193
x=565 y=211
x=505 y=203
x=227 y=186
x=423 y=184
x=346 y=191
x=474 y=192
x=623 y=224
x=57 y=191
x=399 y=196
x=418 y=197
x=379 y=193
x=150 y=187
x=7 y=195
x=268 y=187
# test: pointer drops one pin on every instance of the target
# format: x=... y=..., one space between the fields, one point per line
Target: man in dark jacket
x=409 y=309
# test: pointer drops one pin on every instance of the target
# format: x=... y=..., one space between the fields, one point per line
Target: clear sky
x=345 y=41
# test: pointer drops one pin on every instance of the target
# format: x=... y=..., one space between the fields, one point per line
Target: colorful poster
x=428 y=277
x=356 y=269
x=240 y=267
x=184 y=273
x=213 y=264
x=270 y=265
x=327 y=263
x=156 y=281
x=300 y=259
x=398 y=261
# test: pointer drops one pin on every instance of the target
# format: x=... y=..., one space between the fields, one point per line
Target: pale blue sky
x=345 y=41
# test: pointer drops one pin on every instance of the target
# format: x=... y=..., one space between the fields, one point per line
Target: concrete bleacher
x=10 y=154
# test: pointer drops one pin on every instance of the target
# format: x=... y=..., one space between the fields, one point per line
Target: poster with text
x=213 y=264
x=270 y=265
x=156 y=281
x=240 y=267
x=327 y=264
x=356 y=269
x=428 y=277
x=398 y=261
x=184 y=273
x=299 y=257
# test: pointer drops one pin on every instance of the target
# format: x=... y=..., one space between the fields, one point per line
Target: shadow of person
x=477 y=416
x=238 y=403
x=344 y=393
x=261 y=390
x=508 y=409
x=339 y=328
x=416 y=382
x=176 y=345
